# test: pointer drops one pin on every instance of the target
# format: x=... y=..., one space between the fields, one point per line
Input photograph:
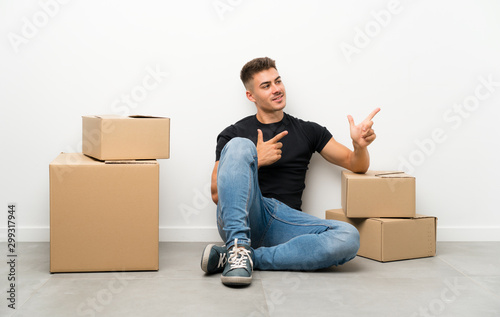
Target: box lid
x=417 y=216
x=82 y=159
x=376 y=174
x=115 y=116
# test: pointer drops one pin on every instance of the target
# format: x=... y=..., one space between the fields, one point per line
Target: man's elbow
x=359 y=170
x=358 y=164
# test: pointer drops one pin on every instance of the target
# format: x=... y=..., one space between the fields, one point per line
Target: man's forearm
x=360 y=159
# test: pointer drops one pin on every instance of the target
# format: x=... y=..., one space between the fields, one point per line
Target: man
x=258 y=180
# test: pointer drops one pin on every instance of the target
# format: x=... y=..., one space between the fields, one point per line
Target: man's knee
x=351 y=245
x=240 y=143
x=240 y=147
x=351 y=235
x=346 y=242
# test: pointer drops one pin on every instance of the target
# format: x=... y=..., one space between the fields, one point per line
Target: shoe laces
x=222 y=260
x=238 y=257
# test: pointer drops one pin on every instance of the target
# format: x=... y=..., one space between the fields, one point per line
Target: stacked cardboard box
x=381 y=205
x=114 y=137
x=104 y=201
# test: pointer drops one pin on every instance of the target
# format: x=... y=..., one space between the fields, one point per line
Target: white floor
x=462 y=280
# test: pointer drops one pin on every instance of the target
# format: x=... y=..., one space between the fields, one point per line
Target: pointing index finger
x=278 y=136
x=371 y=115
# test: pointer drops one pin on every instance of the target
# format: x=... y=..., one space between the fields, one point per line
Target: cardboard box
x=378 y=194
x=103 y=215
x=112 y=137
x=390 y=239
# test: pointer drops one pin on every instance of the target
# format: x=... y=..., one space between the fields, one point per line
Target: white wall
x=423 y=62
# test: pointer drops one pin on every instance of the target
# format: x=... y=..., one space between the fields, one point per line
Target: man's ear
x=250 y=96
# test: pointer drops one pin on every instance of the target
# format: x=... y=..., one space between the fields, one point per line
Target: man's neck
x=268 y=118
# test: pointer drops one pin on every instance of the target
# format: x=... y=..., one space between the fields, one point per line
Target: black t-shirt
x=283 y=180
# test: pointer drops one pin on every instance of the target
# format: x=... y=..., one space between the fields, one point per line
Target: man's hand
x=270 y=151
x=362 y=134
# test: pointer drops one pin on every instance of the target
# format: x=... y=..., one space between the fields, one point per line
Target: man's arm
x=213 y=186
x=357 y=161
x=362 y=135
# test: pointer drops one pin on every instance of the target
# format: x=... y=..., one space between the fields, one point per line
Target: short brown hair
x=255 y=66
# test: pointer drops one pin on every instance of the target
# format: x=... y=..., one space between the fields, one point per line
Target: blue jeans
x=281 y=237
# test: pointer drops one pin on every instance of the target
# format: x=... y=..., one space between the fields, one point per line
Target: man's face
x=267 y=91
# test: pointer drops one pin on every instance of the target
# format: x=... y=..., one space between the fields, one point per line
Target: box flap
x=138 y=116
x=115 y=116
x=131 y=162
x=107 y=116
x=111 y=116
x=423 y=216
x=390 y=219
x=392 y=175
x=376 y=174
x=393 y=219
x=74 y=159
